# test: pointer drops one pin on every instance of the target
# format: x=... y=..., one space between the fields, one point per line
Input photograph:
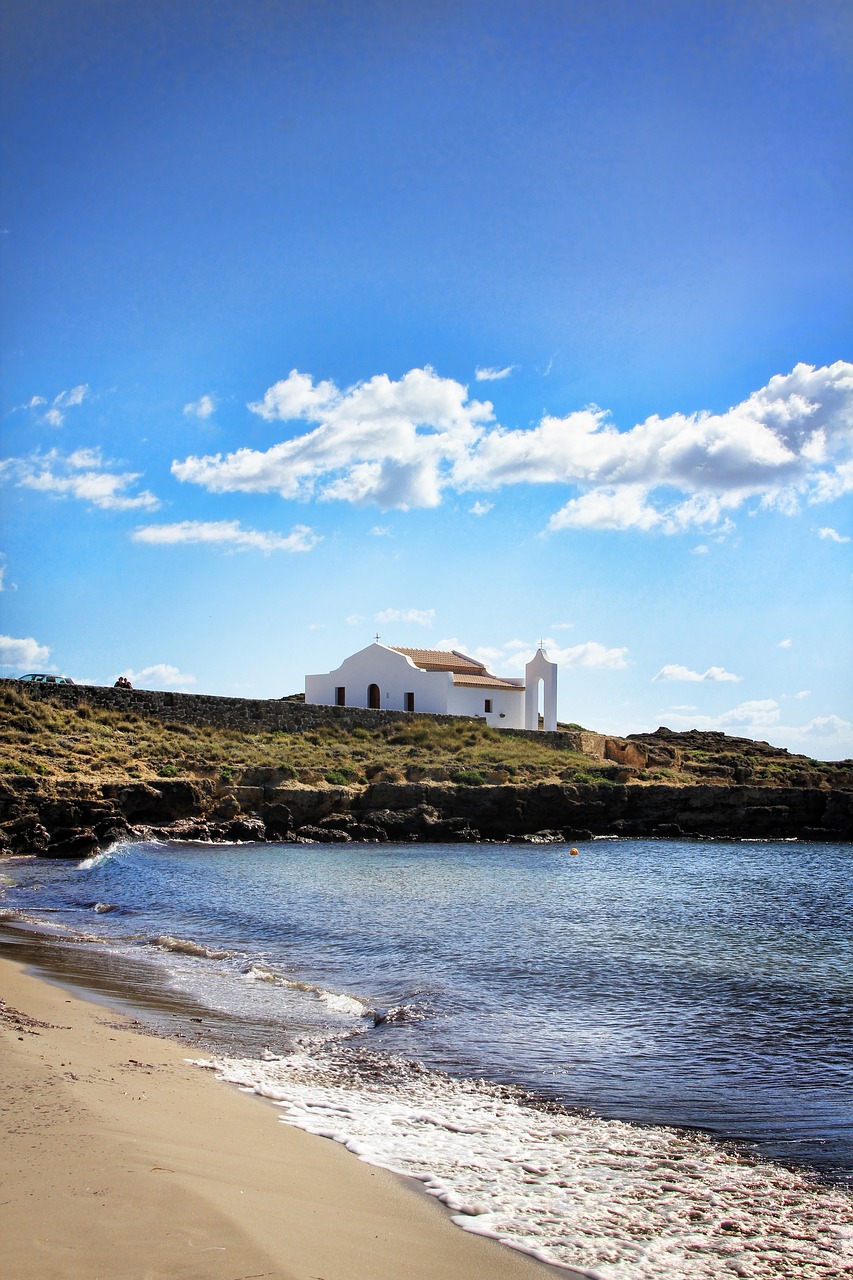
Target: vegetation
x=40 y=737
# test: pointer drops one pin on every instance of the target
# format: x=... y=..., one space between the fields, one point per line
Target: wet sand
x=123 y=1162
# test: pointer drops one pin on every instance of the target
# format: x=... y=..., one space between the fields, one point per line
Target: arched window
x=374 y=697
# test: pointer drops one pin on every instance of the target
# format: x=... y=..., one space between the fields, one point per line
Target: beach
x=122 y=1160
x=598 y=1080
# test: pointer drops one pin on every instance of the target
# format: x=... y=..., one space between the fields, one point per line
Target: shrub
x=339 y=777
x=468 y=778
x=168 y=771
x=226 y=773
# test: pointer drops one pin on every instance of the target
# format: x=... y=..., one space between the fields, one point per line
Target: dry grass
x=43 y=738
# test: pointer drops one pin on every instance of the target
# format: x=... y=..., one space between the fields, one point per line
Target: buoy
x=574 y=852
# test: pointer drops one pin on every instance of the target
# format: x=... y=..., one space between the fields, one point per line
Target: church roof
x=442 y=660
x=486 y=681
x=465 y=670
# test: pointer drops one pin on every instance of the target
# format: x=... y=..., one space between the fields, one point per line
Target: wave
x=188 y=947
x=337 y=1001
x=98 y=859
x=611 y=1200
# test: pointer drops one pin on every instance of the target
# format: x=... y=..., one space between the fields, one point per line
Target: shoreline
x=123 y=1160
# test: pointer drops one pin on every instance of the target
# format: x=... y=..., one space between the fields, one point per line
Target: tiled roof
x=486 y=681
x=465 y=670
x=441 y=660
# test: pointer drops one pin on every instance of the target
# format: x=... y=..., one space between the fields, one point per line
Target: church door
x=374 y=698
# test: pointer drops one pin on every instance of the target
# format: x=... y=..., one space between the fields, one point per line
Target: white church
x=441 y=682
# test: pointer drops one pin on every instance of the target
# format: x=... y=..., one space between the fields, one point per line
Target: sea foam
x=613 y=1200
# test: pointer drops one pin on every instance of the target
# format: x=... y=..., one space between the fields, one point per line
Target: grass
x=40 y=738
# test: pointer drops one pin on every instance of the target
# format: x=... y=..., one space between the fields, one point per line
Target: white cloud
x=229 y=533
x=832 y=534
x=701 y=550
x=55 y=415
x=675 y=671
x=354 y=619
x=75 y=396
x=404 y=443
x=22 y=653
x=384 y=442
x=380 y=531
x=83 y=474
x=159 y=676
x=202 y=408
x=494 y=375
x=790 y=440
x=589 y=654
x=759 y=712
x=785 y=644
x=512 y=656
x=608 y=508
x=826 y=737
x=804 y=693
x=481 y=508
x=297 y=396
x=421 y=617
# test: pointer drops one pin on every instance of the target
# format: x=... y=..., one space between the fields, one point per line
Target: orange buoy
x=574 y=852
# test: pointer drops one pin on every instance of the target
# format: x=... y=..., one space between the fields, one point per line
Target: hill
x=87 y=765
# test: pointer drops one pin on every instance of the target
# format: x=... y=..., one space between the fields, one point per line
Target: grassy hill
x=43 y=738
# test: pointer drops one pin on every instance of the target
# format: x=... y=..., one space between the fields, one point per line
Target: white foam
x=344 y=1004
x=189 y=947
x=94 y=860
x=613 y=1200
x=338 y=1002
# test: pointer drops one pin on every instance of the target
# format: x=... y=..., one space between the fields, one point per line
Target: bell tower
x=540 y=670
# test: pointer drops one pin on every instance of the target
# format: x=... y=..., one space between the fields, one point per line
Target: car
x=41 y=679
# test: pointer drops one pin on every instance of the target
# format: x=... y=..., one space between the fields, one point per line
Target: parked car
x=40 y=679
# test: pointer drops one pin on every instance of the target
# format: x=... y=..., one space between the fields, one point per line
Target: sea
x=633 y=1059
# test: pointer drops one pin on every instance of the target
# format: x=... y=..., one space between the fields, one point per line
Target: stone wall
x=258 y=715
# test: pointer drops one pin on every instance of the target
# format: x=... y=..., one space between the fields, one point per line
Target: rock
x=247 y=829
x=278 y=819
x=228 y=807
x=73 y=843
x=186 y=829
x=27 y=835
x=631 y=754
x=111 y=829
x=323 y=835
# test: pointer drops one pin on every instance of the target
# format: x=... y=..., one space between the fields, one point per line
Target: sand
x=120 y=1160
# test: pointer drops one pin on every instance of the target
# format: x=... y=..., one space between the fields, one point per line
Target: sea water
x=636 y=1062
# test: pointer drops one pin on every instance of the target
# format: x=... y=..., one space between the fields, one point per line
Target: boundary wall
x=263 y=715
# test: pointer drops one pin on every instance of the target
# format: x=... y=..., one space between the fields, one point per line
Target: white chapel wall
x=394 y=673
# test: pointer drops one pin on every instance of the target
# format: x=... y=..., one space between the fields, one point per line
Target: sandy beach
x=121 y=1160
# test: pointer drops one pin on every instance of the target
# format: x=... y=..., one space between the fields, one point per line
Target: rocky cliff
x=70 y=818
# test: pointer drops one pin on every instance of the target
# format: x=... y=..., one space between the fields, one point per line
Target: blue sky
x=468 y=324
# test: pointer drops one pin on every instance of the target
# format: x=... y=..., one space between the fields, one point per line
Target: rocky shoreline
x=73 y=819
